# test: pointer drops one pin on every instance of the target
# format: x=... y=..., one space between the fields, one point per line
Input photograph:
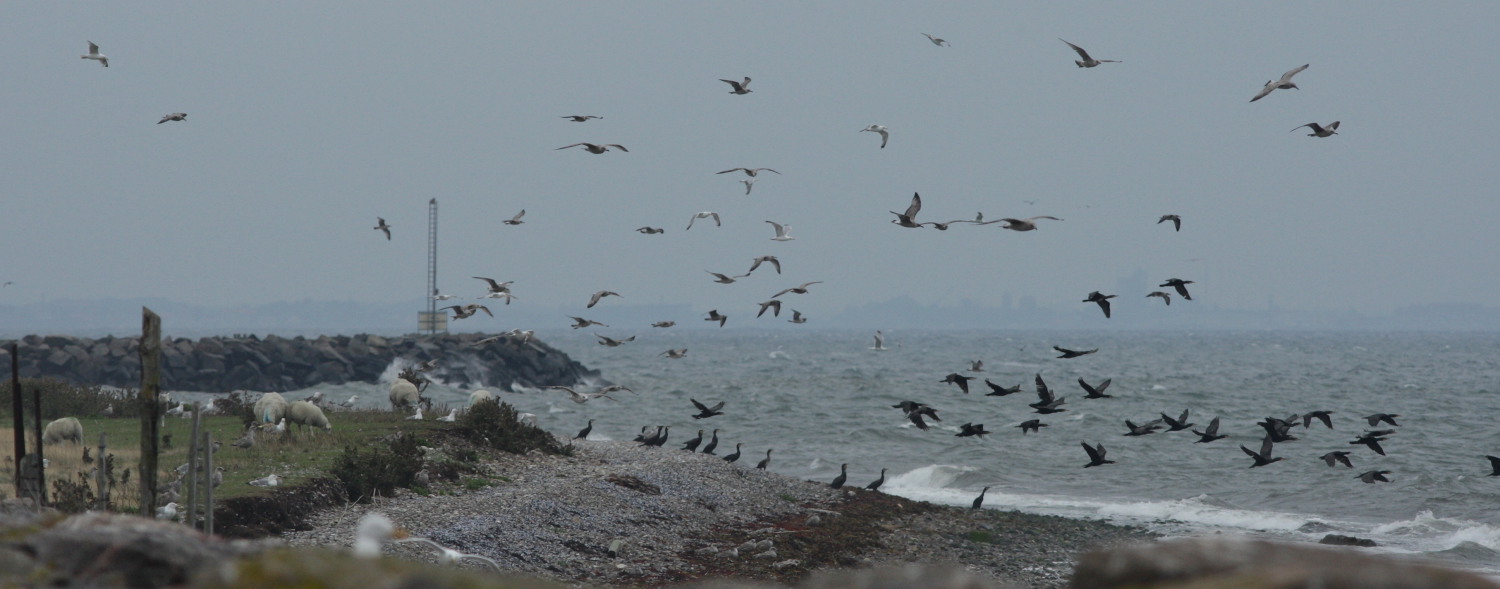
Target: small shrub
x=379 y=470
x=73 y=497
x=494 y=425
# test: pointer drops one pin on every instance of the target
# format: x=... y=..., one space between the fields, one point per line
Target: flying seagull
x=1101 y=299
x=182 y=116
x=714 y=315
x=613 y=343
x=1176 y=220
x=751 y=172
x=95 y=55
x=885 y=135
x=597 y=148
x=800 y=289
x=767 y=259
x=651 y=230
x=739 y=87
x=1285 y=83
x=1027 y=224
x=516 y=220
x=937 y=41
x=578 y=397
x=594 y=300
x=797 y=317
x=664 y=324
x=1319 y=130
x=381 y=226
x=675 y=353
x=909 y=218
x=705 y=215
x=749 y=184
x=580 y=323
x=1165 y=298
x=496 y=286
x=773 y=304
x=1087 y=61
x=720 y=278
x=782 y=232
x=581 y=118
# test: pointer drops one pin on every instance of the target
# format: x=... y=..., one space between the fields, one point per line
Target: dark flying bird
x=182 y=116
x=382 y=226
x=801 y=289
x=1179 y=424
x=1494 y=465
x=751 y=172
x=1180 y=285
x=713 y=315
x=739 y=87
x=516 y=220
x=1066 y=353
x=1323 y=416
x=1096 y=455
x=958 y=379
x=999 y=391
x=1374 y=475
x=597 y=148
x=1319 y=130
x=1370 y=440
x=1031 y=425
x=1263 y=457
x=594 y=300
x=580 y=323
x=1149 y=427
x=706 y=411
x=1379 y=417
x=581 y=118
x=937 y=41
x=1102 y=300
x=775 y=263
x=1046 y=403
x=1333 y=458
x=797 y=317
x=1210 y=434
x=1096 y=392
x=1175 y=219
x=773 y=304
x=969 y=429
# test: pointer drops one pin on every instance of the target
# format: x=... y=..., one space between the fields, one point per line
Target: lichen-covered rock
x=1241 y=563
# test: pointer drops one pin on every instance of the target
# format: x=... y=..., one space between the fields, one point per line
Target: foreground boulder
x=1241 y=563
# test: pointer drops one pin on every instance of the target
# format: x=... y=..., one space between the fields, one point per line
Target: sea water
x=823 y=398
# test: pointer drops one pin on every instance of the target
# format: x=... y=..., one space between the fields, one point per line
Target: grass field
x=296 y=456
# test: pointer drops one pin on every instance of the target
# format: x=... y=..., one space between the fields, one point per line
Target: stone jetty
x=272 y=363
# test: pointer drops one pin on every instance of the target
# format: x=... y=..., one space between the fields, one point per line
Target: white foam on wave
x=1201 y=511
x=1425 y=531
x=930 y=483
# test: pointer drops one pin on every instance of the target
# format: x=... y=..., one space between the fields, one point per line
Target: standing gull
x=739 y=87
x=95 y=55
x=937 y=41
x=1285 y=83
x=1087 y=61
x=885 y=135
x=382 y=226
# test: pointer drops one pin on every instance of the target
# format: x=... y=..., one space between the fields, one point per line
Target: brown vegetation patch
x=634 y=484
x=286 y=508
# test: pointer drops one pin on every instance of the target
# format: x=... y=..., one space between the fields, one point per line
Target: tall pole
x=432 y=288
x=16 y=411
x=150 y=351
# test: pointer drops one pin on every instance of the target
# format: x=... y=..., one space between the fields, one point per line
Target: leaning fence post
x=192 y=473
x=208 y=492
x=150 y=351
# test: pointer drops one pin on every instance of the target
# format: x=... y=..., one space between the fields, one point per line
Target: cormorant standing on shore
x=735 y=456
x=660 y=438
x=712 y=443
x=874 y=486
x=978 y=501
x=692 y=445
x=838 y=481
x=583 y=434
x=764 y=462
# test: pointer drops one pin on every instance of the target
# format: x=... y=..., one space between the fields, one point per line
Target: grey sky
x=306 y=121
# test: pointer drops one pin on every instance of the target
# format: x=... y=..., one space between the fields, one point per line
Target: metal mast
x=432 y=288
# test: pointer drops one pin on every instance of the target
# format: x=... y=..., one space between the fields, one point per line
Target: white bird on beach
x=96 y=56
x=1285 y=83
x=451 y=417
x=885 y=135
x=448 y=555
x=705 y=215
x=416 y=416
x=1087 y=61
x=782 y=232
x=267 y=481
x=373 y=531
x=350 y=402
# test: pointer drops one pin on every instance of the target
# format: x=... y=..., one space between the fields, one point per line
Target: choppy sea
x=823 y=398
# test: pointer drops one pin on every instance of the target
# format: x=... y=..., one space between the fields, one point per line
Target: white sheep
x=307 y=414
x=59 y=430
x=404 y=394
x=480 y=395
x=270 y=408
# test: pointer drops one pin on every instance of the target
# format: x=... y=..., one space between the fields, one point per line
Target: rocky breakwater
x=272 y=363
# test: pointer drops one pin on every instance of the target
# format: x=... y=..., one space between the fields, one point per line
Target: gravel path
x=618 y=514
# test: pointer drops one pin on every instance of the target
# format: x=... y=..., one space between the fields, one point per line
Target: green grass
x=297 y=456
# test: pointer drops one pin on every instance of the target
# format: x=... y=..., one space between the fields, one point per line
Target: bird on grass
x=451 y=417
x=267 y=481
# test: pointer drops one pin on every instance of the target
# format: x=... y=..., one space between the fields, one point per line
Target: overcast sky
x=306 y=121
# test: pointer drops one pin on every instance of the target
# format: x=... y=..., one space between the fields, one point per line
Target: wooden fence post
x=18 y=417
x=193 y=468
x=101 y=473
x=150 y=351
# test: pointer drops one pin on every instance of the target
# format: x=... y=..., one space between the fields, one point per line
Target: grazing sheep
x=404 y=394
x=307 y=414
x=270 y=408
x=59 y=430
x=480 y=395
